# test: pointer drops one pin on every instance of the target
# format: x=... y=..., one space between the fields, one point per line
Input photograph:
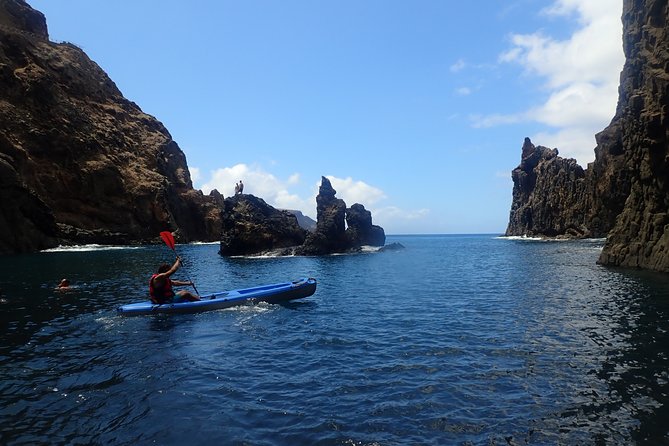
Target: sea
x=453 y=340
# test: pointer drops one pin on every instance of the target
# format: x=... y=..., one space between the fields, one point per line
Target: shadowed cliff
x=79 y=163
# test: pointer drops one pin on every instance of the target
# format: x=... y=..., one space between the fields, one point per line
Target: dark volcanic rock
x=18 y=16
x=251 y=226
x=633 y=152
x=330 y=234
x=549 y=195
x=360 y=230
x=304 y=221
x=625 y=191
x=81 y=163
x=27 y=223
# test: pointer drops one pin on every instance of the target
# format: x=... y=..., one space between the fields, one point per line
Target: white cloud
x=277 y=193
x=463 y=91
x=352 y=191
x=261 y=184
x=582 y=140
x=484 y=121
x=586 y=10
x=194 y=174
x=458 y=66
x=388 y=217
x=581 y=75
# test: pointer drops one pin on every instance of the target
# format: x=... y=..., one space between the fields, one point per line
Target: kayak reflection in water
x=160 y=286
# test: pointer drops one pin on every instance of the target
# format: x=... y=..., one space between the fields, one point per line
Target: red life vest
x=162 y=294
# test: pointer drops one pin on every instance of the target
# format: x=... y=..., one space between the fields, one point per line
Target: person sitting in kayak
x=160 y=286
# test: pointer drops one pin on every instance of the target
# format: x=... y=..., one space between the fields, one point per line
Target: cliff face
x=548 y=195
x=624 y=193
x=79 y=163
x=640 y=132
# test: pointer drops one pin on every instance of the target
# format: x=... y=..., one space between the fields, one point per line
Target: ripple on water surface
x=453 y=340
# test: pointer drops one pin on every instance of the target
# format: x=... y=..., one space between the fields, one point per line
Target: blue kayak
x=276 y=293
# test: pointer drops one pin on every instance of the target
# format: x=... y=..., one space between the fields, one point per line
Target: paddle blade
x=168 y=238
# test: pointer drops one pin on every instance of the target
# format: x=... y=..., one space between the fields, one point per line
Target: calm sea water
x=454 y=340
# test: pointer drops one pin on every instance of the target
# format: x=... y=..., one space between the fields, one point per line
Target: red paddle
x=168 y=238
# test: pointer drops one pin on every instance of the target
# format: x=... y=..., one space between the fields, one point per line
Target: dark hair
x=163 y=268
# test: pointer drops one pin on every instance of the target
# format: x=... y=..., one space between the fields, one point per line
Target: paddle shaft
x=186 y=272
x=169 y=241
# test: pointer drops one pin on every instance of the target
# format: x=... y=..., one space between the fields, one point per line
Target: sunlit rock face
x=79 y=163
x=251 y=226
x=624 y=193
x=549 y=195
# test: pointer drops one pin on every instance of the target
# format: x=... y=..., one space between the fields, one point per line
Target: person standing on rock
x=160 y=286
x=236 y=188
x=241 y=187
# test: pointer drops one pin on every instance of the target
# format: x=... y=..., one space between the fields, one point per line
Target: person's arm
x=181 y=283
x=162 y=276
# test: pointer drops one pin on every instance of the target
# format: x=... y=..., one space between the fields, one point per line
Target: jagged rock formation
x=360 y=229
x=79 y=163
x=625 y=191
x=549 y=195
x=251 y=226
x=331 y=235
x=304 y=221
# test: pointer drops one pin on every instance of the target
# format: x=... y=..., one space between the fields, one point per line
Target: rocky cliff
x=549 y=195
x=624 y=193
x=635 y=147
x=251 y=226
x=79 y=163
x=331 y=234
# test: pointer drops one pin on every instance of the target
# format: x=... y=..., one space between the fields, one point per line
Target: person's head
x=64 y=283
x=163 y=268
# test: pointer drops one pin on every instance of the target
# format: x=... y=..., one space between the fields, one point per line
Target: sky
x=416 y=109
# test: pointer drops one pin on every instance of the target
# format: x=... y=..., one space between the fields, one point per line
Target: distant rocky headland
x=251 y=226
x=79 y=163
x=624 y=194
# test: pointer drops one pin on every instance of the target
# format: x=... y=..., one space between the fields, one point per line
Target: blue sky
x=415 y=109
